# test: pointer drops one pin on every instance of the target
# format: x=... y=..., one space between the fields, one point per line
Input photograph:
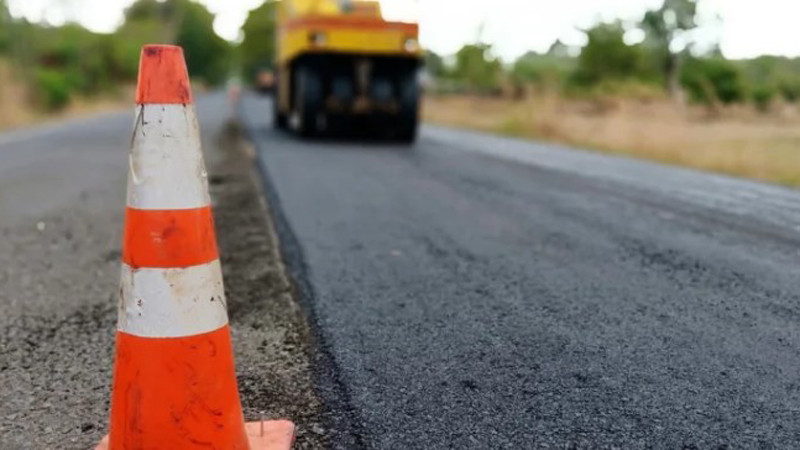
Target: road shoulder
x=272 y=340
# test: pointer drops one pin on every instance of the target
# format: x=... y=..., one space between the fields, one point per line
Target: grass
x=736 y=141
x=17 y=110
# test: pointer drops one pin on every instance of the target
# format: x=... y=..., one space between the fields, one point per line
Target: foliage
x=790 y=89
x=709 y=80
x=64 y=61
x=547 y=69
x=434 y=64
x=5 y=26
x=53 y=88
x=258 y=46
x=607 y=66
x=763 y=96
x=782 y=74
x=663 y=27
x=184 y=23
x=477 y=68
x=606 y=56
x=208 y=56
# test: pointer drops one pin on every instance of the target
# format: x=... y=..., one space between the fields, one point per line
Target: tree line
x=663 y=62
x=61 y=62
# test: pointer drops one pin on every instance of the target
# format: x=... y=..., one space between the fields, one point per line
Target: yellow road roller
x=341 y=67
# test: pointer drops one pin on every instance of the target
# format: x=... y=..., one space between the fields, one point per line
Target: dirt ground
x=271 y=336
x=736 y=140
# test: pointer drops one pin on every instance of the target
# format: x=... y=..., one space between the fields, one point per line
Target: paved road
x=481 y=292
x=62 y=195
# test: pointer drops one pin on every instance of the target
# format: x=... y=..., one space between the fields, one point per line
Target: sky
x=744 y=28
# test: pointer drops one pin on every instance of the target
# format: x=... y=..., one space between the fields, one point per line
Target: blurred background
x=711 y=84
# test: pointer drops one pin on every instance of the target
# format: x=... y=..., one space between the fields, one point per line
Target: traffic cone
x=174 y=384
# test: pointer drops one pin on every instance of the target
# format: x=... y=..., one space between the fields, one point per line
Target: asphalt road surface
x=62 y=195
x=470 y=291
x=481 y=292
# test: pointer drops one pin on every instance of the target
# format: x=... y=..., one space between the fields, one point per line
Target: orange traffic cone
x=174 y=383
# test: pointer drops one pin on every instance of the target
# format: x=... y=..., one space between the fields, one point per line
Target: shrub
x=53 y=89
x=709 y=80
x=763 y=96
x=606 y=57
x=790 y=90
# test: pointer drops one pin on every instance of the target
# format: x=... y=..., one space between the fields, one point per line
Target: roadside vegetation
x=660 y=97
x=48 y=69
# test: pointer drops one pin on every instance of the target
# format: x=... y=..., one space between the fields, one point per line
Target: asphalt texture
x=474 y=291
x=62 y=197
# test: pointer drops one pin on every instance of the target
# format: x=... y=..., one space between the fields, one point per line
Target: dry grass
x=736 y=141
x=16 y=109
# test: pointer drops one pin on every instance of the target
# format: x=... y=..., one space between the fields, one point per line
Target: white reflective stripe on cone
x=172 y=302
x=166 y=163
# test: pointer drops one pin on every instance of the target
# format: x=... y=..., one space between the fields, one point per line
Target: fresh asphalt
x=62 y=197
x=474 y=291
x=470 y=291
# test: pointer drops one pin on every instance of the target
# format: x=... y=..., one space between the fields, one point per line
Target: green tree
x=208 y=56
x=549 y=68
x=434 y=64
x=763 y=96
x=182 y=22
x=258 y=46
x=789 y=89
x=5 y=27
x=477 y=67
x=663 y=28
x=712 y=80
x=559 y=49
x=772 y=73
x=606 y=56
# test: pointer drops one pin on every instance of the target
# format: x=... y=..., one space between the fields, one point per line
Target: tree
x=663 y=28
x=477 y=67
x=208 y=56
x=548 y=69
x=606 y=56
x=434 y=64
x=712 y=80
x=182 y=22
x=5 y=27
x=258 y=46
x=558 y=49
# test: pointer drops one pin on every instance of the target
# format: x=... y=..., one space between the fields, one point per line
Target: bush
x=763 y=96
x=53 y=89
x=258 y=46
x=208 y=56
x=548 y=70
x=709 y=80
x=477 y=68
x=790 y=90
x=606 y=57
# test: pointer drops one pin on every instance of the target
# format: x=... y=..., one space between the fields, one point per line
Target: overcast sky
x=745 y=28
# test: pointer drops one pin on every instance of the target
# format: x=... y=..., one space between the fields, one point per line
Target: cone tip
x=163 y=77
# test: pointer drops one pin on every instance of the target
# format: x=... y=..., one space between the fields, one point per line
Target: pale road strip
x=747 y=198
x=39 y=131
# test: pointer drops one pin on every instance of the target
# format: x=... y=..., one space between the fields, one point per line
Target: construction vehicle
x=340 y=65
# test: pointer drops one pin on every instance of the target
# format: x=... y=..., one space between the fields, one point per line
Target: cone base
x=261 y=435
